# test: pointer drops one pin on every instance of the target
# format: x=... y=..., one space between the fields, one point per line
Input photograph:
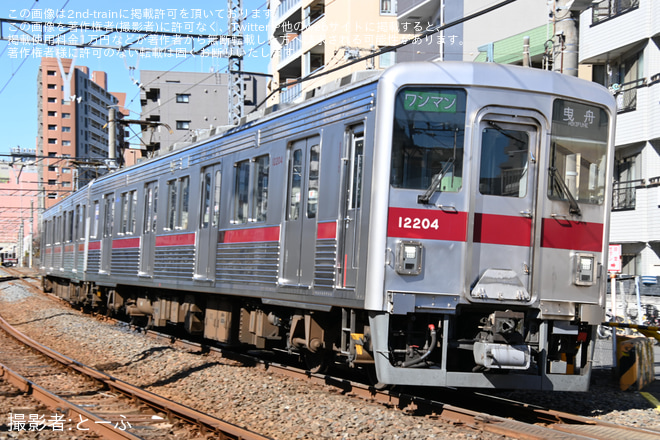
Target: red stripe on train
x=176 y=240
x=502 y=229
x=94 y=245
x=426 y=223
x=327 y=230
x=251 y=235
x=566 y=234
x=126 y=243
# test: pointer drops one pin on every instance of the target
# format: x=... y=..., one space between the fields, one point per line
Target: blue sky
x=19 y=61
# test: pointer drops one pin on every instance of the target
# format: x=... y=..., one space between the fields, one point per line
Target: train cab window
x=260 y=196
x=428 y=138
x=241 y=192
x=503 y=162
x=578 y=155
x=313 y=181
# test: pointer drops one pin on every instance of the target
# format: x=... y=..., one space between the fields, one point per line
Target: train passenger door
x=504 y=202
x=149 y=227
x=207 y=233
x=352 y=200
x=301 y=212
x=108 y=228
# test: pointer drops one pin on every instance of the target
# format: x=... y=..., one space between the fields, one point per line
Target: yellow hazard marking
x=655 y=402
x=357 y=336
x=358 y=349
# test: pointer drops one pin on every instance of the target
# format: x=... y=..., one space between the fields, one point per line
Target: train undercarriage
x=482 y=340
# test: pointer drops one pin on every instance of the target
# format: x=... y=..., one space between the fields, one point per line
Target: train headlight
x=408 y=258
x=584 y=269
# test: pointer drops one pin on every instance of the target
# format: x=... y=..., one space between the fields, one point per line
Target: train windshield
x=578 y=158
x=428 y=137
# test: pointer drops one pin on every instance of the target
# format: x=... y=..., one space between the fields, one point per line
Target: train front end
x=488 y=238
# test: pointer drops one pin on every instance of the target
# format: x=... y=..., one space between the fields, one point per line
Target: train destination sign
x=429 y=102
x=584 y=121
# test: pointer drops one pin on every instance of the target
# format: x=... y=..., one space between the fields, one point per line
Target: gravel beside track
x=276 y=406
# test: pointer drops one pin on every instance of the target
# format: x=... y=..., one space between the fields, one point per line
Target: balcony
x=626 y=95
x=624 y=194
x=608 y=9
x=290 y=50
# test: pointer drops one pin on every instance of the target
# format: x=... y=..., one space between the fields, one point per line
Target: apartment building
x=619 y=44
x=314 y=36
x=19 y=189
x=72 y=131
x=179 y=105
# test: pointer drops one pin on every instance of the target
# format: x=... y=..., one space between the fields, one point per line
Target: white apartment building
x=620 y=40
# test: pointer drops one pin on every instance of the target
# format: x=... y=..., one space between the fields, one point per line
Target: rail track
x=473 y=410
x=82 y=399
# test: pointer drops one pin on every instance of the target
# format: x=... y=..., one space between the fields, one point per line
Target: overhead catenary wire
x=432 y=30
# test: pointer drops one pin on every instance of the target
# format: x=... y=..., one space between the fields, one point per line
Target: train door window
x=109 y=214
x=76 y=223
x=69 y=227
x=216 y=198
x=241 y=192
x=211 y=200
x=151 y=207
x=83 y=222
x=171 y=204
x=260 y=197
x=95 y=226
x=124 y=213
x=504 y=154
x=313 y=181
x=295 y=183
x=357 y=147
x=206 y=201
x=128 y=207
x=184 y=203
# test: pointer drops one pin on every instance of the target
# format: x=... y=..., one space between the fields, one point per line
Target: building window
x=52 y=141
x=52 y=195
x=52 y=113
x=386 y=60
x=52 y=154
x=183 y=97
x=51 y=73
x=52 y=127
x=388 y=7
x=66 y=115
x=66 y=129
x=66 y=170
x=182 y=125
x=66 y=143
x=52 y=169
x=66 y=184
x=52 y=86
x=606 y=9
x=52 y=181
x=52 y=100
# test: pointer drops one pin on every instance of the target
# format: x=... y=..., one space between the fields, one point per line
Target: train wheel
x=319 y=362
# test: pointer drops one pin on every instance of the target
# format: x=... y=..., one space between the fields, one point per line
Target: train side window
x=260 y=188
x=108 y=214
x=128 y=207
x=241 y=191
x=216 y=198
x=295 y=184
x=503 y=162
x=313 y=181
x=69 y=227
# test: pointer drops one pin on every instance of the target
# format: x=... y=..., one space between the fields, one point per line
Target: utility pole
x=565 y=47
x=235 y=47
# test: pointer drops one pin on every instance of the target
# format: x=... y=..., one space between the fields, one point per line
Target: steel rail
x=171 y=408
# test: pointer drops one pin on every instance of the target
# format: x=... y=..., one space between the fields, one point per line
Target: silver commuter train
x=443 y=224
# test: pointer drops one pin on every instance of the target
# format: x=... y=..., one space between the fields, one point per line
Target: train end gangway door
x=504 y=206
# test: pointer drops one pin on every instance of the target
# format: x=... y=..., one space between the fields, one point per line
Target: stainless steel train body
x=445 y=223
